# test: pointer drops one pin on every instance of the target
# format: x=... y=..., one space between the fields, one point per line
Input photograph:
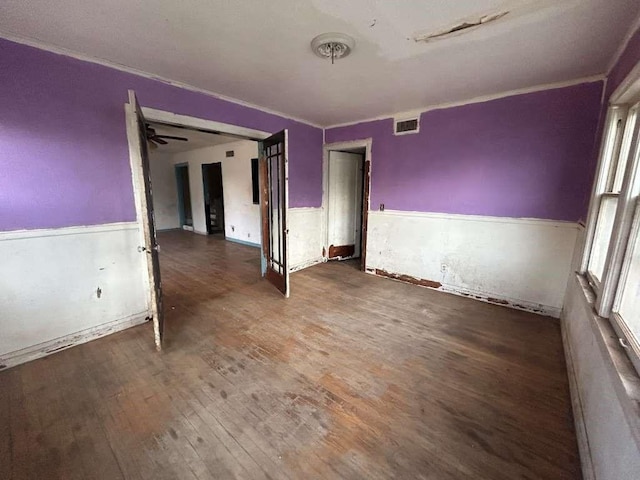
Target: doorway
x=346 y=180
x=213 y=197
x=184 y=196
x=273 y=163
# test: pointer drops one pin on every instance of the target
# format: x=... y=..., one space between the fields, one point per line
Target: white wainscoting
x=61 y=287
x=305 y=237
x=522 y=263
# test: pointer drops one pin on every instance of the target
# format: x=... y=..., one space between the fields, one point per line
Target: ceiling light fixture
x=332 y=45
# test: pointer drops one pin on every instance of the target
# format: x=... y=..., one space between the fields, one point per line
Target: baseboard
x=243 y=242
x=305 y=264
x=588 y=473
x=40 y=350
x=475 y=295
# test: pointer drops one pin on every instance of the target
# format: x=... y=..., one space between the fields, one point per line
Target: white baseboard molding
x=586 y=461
x=475 y=295
x=18 y=357
x=306 y=264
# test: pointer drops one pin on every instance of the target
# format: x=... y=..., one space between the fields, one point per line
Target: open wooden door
x=140 y=161
x=275 y=201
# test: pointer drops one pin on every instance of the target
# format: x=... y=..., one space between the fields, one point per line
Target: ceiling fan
x=154 y=139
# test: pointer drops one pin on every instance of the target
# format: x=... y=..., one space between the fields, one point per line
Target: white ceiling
x=195 y=139
x=258 y=51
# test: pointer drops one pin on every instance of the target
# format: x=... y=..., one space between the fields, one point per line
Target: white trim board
x=79 y=230
x=163 y=116
x=134 y=71
x=478 y=218
x=34 y=352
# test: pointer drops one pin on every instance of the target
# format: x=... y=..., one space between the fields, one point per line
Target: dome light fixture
x=332 y=45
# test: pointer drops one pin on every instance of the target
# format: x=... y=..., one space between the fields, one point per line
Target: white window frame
x=608 y=289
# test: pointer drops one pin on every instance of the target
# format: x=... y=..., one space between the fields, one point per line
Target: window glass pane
x=630 y=301
x=624 y=151
x=604 y=227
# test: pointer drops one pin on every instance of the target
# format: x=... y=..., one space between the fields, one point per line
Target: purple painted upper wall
x=63 y=146
x=629 y=59
x=527 y=155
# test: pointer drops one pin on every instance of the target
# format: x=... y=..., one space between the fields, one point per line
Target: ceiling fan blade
x=159 y=140
x=182 y=139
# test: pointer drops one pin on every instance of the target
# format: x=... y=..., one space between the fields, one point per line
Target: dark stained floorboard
x=354 y=377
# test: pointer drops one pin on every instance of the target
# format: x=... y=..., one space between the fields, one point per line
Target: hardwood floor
x=353 y=377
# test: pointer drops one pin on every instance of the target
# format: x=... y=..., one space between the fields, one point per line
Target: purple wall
x=527 y=155
x=63 y=145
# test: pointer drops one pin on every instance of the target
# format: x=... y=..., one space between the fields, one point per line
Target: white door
x=344 y=211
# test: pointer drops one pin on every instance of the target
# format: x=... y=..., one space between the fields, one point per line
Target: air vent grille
x=230 y=153
x=410 y=125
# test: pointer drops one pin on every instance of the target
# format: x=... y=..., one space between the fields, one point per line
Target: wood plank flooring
x=353 y=377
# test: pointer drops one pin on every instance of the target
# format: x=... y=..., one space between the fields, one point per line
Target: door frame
x=366 y=190
x=162 y=116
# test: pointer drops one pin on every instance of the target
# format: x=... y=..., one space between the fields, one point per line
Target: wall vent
x=230 y=153
x=406 y=126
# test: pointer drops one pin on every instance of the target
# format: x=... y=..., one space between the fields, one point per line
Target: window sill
x=618 y=365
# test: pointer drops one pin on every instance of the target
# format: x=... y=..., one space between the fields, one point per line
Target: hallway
x=353 y=377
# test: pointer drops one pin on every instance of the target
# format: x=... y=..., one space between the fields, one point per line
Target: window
x=255 y=181
x=612 y=251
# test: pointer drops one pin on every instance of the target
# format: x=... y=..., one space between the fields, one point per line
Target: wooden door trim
x=142 y=215
x=367 y=143
x=280 y=281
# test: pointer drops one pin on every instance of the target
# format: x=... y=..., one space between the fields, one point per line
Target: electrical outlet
x=382 y=207
x=443 y=268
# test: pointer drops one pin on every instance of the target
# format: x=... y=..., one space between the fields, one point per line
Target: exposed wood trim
x=40 y=350
x=513 y=303
x=408 y=279
x=341 y=251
